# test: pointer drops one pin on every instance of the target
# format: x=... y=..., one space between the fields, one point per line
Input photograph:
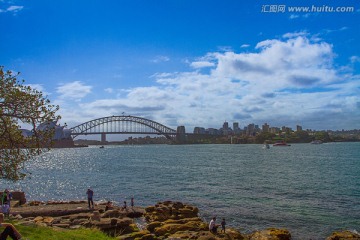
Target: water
x=312 y=190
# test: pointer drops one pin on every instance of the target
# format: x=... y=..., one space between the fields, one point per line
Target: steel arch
x=93 y=126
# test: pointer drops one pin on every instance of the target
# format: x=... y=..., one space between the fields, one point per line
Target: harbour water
x=312 y=190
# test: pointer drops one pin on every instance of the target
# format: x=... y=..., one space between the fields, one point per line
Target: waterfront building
x=212 y=131
x=265 y=127
x=236 y=128
x=199 y=130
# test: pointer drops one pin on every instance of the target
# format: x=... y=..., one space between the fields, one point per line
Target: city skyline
x=189 y=63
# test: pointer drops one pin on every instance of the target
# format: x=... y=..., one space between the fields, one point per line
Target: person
x=132 y=202
x=223 y=223
x=124 y=206
x=108 y=206
x=90 y=194
x=5 y=202
x=9 y=230
x=213 y=226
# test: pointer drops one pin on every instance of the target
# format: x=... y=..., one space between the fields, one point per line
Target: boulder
x=113 y=214
x=170 y=210
x=172 y=228
x=344 y=235
x=271 y=234
x=95 y=216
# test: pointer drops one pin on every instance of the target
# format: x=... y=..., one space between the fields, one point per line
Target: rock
x=95 y=216
x=48 y=220
x=38 y=219
x=113 y=214
x=61 y=225
x=75 y=226
x=170 y=210
x=344 y=235
x=151 y=226
x=204 y=235
x=133 y=235
x=271 y=234
x=172 y=228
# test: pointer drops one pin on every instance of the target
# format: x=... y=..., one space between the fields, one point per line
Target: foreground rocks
x=165 y=220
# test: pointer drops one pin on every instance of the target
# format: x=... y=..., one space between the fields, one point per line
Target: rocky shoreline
x=164 y=220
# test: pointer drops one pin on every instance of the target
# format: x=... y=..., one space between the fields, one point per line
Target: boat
x=266 y=146
x=102 y=147
x=316 y=142
x=281 y=143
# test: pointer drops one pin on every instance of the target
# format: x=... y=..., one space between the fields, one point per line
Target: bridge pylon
x=103 y=137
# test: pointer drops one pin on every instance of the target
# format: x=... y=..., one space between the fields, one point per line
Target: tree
x=20 y=104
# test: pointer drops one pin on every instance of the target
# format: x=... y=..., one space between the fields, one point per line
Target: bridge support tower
x=103 y=138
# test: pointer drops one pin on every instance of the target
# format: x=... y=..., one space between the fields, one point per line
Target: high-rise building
x=199 y=130
x=265 y=127
x=298 y=128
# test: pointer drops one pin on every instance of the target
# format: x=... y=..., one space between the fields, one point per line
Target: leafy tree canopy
x=20 y=104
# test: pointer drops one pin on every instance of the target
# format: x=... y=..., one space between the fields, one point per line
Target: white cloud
x=12 y=9
x=74 y=90
x=202 y=64
x=245 y=46
x=109 y=90
x=354 y=59
x=285 y=81
x=159 y=59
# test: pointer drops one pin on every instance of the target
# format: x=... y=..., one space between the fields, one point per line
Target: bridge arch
x=122 y=125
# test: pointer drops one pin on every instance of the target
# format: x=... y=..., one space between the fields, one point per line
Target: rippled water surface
x=312 y=190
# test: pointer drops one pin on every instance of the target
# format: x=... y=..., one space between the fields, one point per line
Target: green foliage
x=264 y=136
x=301 y=137
x=45 y=233
x=21 y=104
x=323 y=136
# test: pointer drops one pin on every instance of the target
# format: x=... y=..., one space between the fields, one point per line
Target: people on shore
x=9 y=230
x=223 y=223
x=132 y=202
x=108 y=206
x=90 y=195
x=213 y=226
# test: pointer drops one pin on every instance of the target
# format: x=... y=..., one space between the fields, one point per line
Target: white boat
x=266 y=146
x=316 y=142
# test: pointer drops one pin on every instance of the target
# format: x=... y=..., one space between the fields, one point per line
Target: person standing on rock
x=132 y=202
x=90 y=194
x=223 y=223
x=124 y=206
x=9 y=230
x=213 y=226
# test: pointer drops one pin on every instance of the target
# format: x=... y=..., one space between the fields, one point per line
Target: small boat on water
x=102 y=147
x=316 y=142
x=266 y=146
x=281 y=143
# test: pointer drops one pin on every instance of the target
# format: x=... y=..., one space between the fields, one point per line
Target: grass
x=35 y=232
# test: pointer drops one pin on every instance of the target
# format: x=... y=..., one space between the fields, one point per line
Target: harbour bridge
x=122 y=125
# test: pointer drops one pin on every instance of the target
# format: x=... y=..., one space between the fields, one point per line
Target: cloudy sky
x=192 y=63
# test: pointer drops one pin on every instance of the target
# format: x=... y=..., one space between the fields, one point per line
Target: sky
x=190 y=62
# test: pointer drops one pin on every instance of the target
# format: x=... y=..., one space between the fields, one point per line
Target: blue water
x=312 y=190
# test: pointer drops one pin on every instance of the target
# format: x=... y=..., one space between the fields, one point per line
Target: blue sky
x=192 y=63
